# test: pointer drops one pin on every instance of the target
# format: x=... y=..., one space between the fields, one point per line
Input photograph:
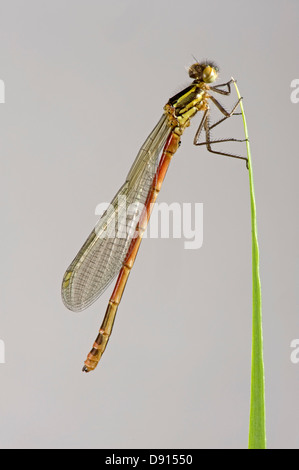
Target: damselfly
x=105 y=254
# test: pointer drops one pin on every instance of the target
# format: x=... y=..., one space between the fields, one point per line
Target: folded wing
x=102 y=255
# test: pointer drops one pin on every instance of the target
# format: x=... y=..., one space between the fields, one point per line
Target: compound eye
x=195 y=71
x=209 y=74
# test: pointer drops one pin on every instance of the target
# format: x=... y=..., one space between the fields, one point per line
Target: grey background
x=85 y=84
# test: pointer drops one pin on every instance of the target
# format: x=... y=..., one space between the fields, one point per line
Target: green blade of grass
x=257 y=420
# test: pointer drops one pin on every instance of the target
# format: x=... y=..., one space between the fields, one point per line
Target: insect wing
x=102 y=255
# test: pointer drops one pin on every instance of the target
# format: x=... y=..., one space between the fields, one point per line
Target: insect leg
x=205 y=123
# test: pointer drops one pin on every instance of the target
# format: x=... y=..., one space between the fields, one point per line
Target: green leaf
x=257 y=420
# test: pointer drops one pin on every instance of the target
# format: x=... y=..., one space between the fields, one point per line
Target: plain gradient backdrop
x=85 y=83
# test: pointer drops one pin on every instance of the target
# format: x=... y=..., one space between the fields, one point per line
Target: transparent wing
x=102 y=255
